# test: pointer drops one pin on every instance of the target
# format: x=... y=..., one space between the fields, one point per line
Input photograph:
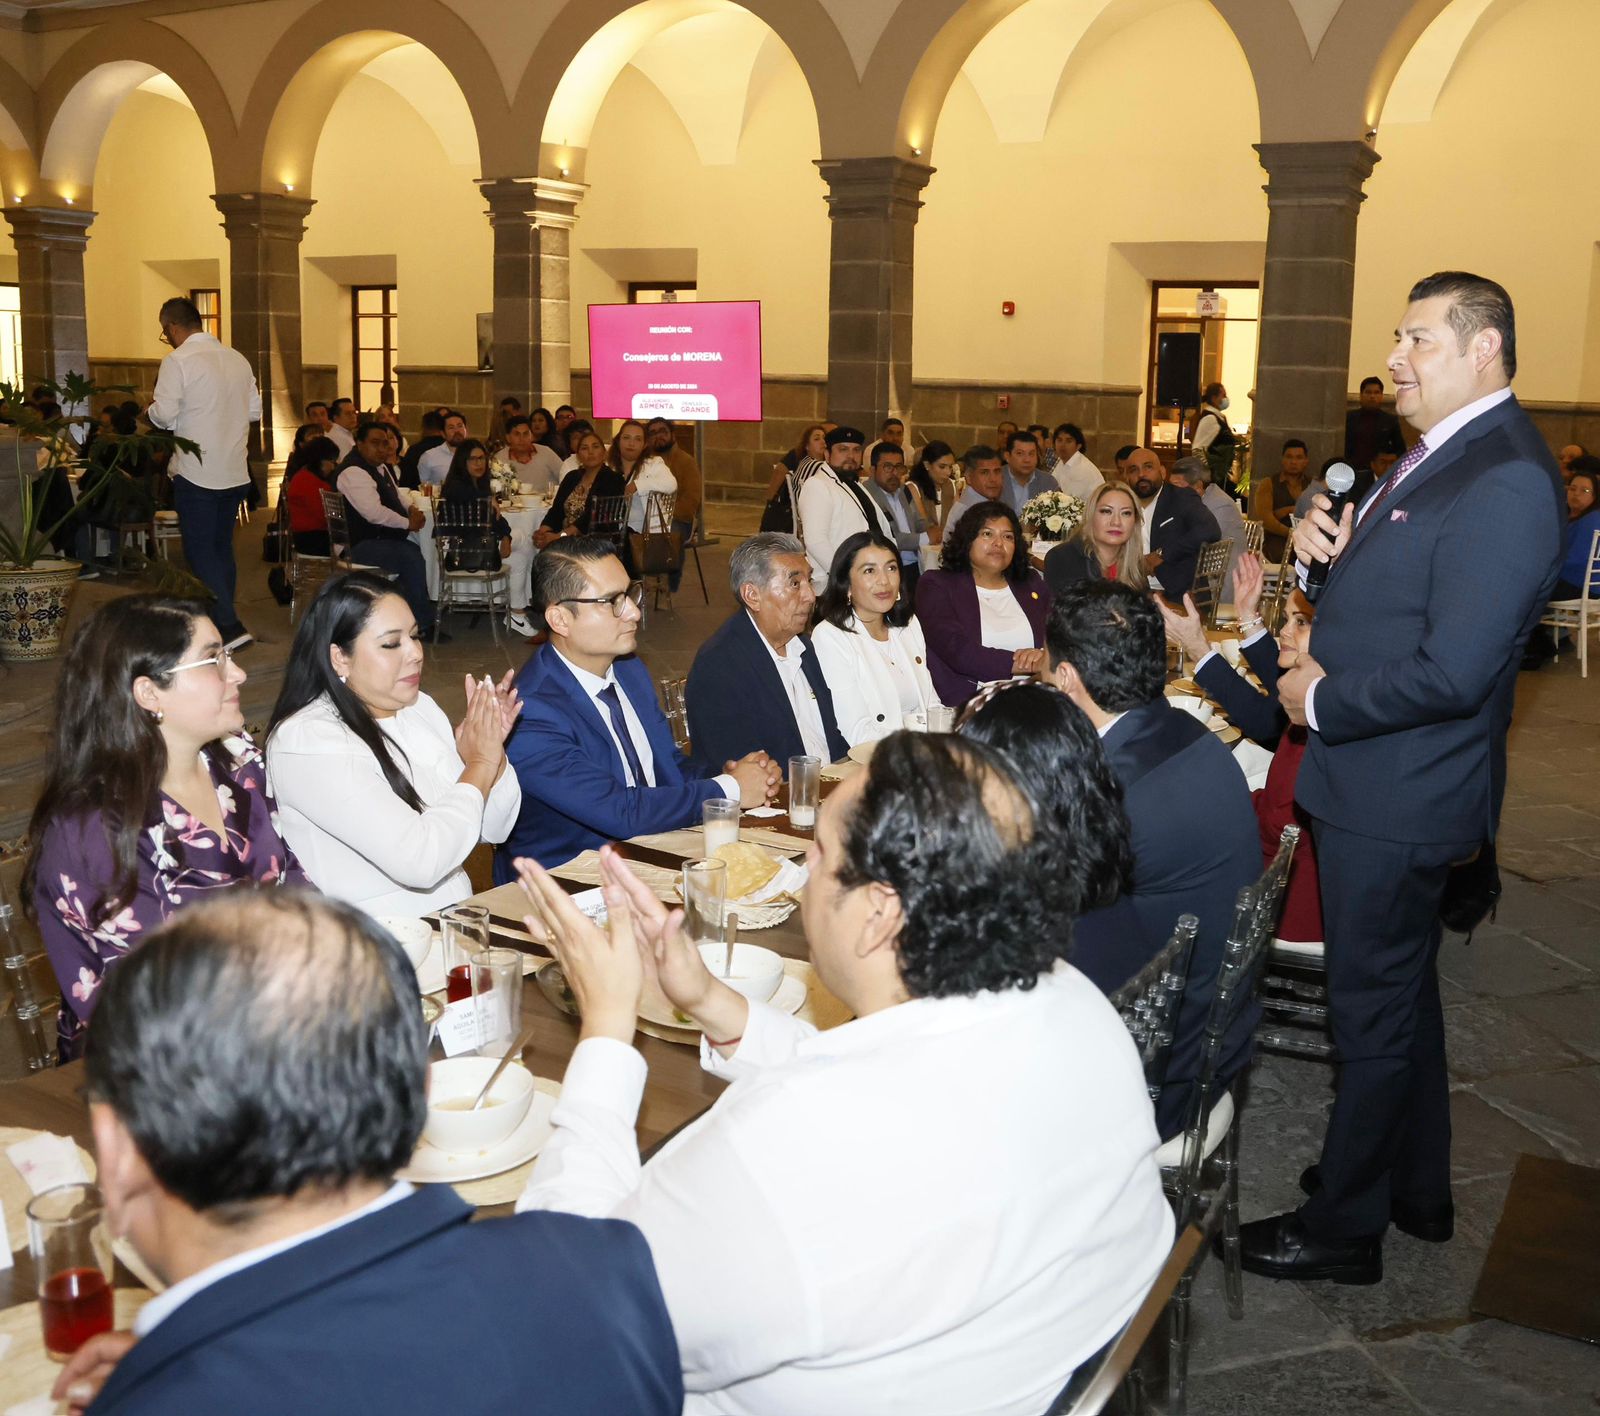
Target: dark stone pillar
x=55 y=329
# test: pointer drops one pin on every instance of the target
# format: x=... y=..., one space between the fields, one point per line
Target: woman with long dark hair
x=932 y=481
x=311 y=470
x=869 y=644
x=570 y=512
x=382 y=800
x=153 y=796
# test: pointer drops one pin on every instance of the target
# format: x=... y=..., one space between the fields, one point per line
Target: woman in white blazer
x=869 y=644
x=382 y=796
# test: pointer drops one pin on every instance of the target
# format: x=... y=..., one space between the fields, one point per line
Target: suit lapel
x=242 y=1297
x=764 y=672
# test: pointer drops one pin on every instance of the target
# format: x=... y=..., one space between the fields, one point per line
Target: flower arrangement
x=1051 y=516
x=506 y=482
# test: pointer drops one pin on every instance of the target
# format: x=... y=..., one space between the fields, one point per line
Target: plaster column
x=264 y=232
x=55 y=329
x=873 y=204
x=532 y=221
x=1314 y=192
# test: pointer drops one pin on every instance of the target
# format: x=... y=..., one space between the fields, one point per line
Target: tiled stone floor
x=1523 y=1015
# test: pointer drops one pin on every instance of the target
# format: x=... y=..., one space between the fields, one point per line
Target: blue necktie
x=619 y=724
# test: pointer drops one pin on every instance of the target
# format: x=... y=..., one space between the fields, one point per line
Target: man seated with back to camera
x=1195 y=843
x=823 y=1245
x=757 y=685
x=302 y=1276
x=592 y=748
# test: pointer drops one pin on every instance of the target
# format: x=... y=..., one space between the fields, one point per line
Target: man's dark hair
x=316 y=403
x=1113 y=636
x=340 y=404
x=1124 y=452
x=1073 y=431
x=1295 y=442
x=1022 y=435
x=371 y=425
x=957 y=550
x=1371 y=381
x=659 y=422
x=978 y=452
x=450 y=413
x=1000 y=921
x=880 y=450
x=891 y=423
x=260 y=1045
x=1051 y=742
x=567 y=408
x=833 y=604
x=432 y=423
x=511 y=401
x=1590 y=474
x=519 y=420
x=559 y=569
x=49 y=408
x=1475 y=303
x=181 y=312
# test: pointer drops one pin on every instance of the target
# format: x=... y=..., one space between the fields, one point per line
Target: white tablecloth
x=424 y=538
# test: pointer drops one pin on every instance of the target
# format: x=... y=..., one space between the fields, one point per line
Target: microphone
x=1341 y=483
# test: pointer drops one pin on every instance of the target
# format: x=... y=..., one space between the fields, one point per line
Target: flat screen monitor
x=699 y=361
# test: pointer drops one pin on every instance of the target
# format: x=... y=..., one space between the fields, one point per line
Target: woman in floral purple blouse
x=153 y=796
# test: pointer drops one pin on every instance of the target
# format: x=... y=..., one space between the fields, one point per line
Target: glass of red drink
x=71 y=1250
x=464 y=931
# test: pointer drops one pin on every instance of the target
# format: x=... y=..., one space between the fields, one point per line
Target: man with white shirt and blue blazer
x=756 y=684
x=592 y=748
x=301 y=1274
x=1436 y=581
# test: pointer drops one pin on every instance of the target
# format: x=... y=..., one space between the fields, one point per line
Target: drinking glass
x=497 y=989
x=72 y=1261
x=721 y=819
x=941 y=719
x=464 y=931
x=705 y=897
x=672 y=705
x=805 y=786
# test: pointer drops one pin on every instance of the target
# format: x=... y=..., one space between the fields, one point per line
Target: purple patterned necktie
x=1399 y=470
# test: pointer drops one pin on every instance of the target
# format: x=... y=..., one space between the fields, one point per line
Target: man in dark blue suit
x=1176 y=523
x=1437 y=579
x=592 y=749
x=258 y=1074
x=1192 y=825
x=756 y=685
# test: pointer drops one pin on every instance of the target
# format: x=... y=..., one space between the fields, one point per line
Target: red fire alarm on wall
x=1003 y=402
x=1008 y=307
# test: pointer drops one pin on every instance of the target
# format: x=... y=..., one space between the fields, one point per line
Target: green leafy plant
x=28 y=538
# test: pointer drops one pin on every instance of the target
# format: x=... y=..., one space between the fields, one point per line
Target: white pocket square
x=1399 y=514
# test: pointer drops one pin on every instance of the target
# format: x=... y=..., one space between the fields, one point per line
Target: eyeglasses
x=219 y=661
x=633 y=595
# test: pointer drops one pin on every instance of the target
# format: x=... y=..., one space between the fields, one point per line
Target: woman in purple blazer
x=983 y=611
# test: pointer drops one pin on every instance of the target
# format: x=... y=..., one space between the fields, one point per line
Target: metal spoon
x=515 y=1050
x=730 y=933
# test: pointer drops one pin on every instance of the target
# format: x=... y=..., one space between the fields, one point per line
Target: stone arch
x=19 y=167
x=308 y=69
x=85 y=87
x=1426 y=67
x=589 y=43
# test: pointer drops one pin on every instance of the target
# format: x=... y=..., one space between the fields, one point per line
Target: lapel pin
x=1399 y=514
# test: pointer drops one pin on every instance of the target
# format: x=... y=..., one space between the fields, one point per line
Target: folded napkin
x=45 y=1161
x=789 y=880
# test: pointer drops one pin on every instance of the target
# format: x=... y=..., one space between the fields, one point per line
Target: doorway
x=1200 y=333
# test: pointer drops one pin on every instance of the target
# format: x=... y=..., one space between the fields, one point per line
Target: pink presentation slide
x=698 y=361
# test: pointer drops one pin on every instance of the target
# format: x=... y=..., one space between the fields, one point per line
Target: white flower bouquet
x=1051 y=516
x=506 y=482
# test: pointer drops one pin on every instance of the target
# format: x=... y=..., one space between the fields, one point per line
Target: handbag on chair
x=658 y=549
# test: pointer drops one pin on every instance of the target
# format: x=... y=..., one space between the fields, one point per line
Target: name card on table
x=5 y=1263
x=458 y=1028
x=45 y=1161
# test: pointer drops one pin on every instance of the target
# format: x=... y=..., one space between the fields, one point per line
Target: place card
x=39 y=1406
x=458 y=1028
x=5 y=1263
x=6 y=1340
x=764 y=811
x=45 y=1161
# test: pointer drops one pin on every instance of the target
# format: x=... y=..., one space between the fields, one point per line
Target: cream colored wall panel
x=235 y=39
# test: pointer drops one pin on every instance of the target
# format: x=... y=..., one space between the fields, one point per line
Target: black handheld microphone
x=1341 y=482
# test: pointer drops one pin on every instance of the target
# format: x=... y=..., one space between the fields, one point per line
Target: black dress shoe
x=1280 y=1247
x=1434 y=1226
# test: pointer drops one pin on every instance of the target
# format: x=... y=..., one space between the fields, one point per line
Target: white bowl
x=1194 y=707
x=503 y=1110
x=415 y=936
x=757 y=972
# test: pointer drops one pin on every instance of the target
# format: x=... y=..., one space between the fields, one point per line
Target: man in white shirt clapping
x=945 y=1205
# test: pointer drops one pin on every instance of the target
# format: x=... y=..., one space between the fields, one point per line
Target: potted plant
x=36 y=583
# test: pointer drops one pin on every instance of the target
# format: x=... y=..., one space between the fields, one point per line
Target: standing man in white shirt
x=833 y=503
x=206 y=392
x=343 y=421
x=822 y=1245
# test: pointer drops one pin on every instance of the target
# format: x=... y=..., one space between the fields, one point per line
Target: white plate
x=789 y=998
x=432 y=1166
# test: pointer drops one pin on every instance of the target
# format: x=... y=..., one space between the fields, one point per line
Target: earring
x=157 y=716
x=344 y=678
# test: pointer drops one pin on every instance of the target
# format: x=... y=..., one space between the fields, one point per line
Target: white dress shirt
x=829 y=513
x=872 y=697
x=207 y=393
x=167 y=1302
x=902 y=527
x=355 y=485
x=355 y=838
x=1078 y=477
x=342 y=438
x=1435 y=438
x=594 y=685
x=807 y=711
x=942 y=1208
x=434 y=465
x=1003 y=624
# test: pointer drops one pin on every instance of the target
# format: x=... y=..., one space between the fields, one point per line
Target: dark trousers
x=1389 y=1136
x=405 y=559
x=206 y=518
